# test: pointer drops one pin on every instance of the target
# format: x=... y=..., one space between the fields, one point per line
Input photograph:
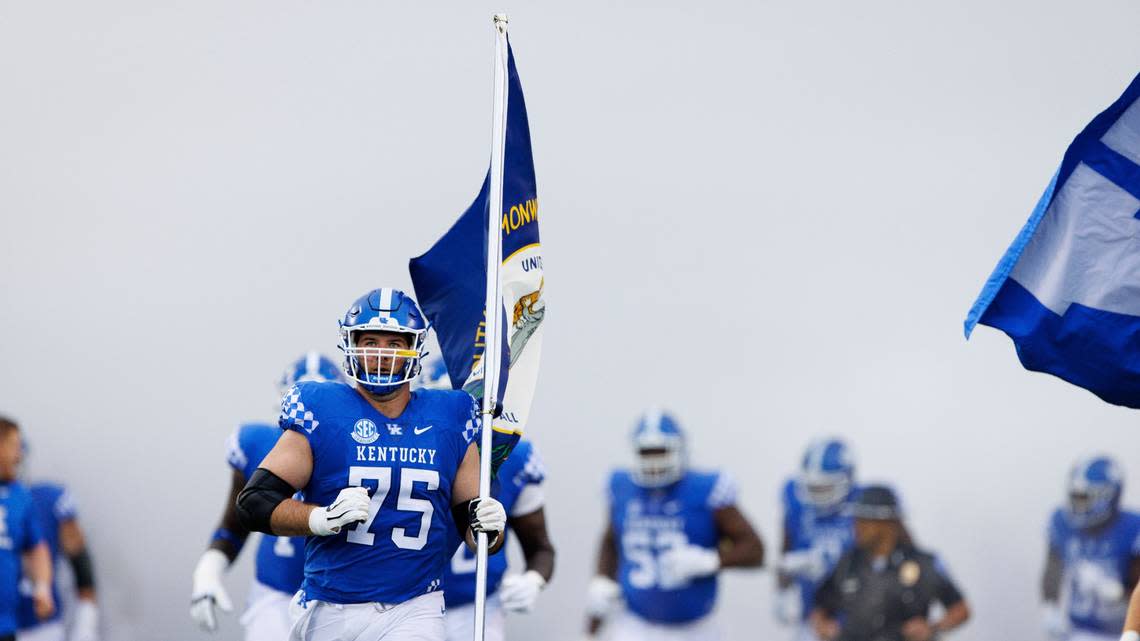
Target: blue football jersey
x=522 y=468
x=280 y=559
x=830 y=534
x=1107 y=552
x=647 y=523
x=52 y=505
x=408 y=463
x=19 y=532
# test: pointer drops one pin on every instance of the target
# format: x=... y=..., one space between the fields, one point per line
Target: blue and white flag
x=450 y=280
x=1068 y=289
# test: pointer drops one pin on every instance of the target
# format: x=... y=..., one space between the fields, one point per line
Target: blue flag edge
x=1089 y=136
x=1009 y=259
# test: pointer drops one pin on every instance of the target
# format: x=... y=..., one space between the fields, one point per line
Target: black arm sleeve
x=84 y=573
x=461 y=515
x=261 y=495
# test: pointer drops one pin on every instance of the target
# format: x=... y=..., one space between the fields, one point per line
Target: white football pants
x=266 y=616
x=53 y=631
x=627 y=626
x=461 y=621
x=418 y=619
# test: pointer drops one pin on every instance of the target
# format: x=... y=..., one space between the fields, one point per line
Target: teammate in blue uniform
x=1093 y=557
x=818 y=529
x=280 y=561
x=671 y=530
x=519 y=488
x=59 y=522
x=386 y=474
x=22 y=544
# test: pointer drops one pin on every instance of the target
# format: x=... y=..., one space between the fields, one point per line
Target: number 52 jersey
x=649 y=522
x=407 y=463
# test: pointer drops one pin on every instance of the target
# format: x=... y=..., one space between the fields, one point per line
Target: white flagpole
x=494 y=305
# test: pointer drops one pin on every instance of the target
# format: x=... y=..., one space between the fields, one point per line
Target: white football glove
x=682 y=563
x=806 y=564
x=350 y=506
x=601 y=595
x=1054 y=621
x=518 y=592
x=208 y=590
x=488 y=515
x=1092 y=579
x=85 y=624
x=789 y=605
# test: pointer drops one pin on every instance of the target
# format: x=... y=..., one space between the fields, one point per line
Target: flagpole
x=494 y=306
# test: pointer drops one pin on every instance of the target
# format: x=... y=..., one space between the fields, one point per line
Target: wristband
x=229 y=536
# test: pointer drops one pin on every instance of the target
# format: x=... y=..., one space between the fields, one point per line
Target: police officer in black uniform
x=882 y=589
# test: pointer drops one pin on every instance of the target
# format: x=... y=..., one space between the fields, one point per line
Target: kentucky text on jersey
x=400 y=551
x=393 y=454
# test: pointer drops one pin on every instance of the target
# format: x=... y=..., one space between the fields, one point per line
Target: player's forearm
x=84 y=571
x=1132 y=620
x=745 y=553
x=37 y=562
x=1051 y=578
x=291 y=518
x=608 y=555
x=535 y=542
x=542 y=561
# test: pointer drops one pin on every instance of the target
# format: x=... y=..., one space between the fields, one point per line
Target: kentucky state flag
x=1068 y=290
x=450 y=279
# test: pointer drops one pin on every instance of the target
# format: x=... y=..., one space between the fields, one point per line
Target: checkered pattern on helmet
x=294 y=414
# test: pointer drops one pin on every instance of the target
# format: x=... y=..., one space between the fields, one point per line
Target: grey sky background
x=769 y=217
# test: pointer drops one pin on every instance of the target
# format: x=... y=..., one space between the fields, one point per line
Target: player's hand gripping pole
x=494 y=307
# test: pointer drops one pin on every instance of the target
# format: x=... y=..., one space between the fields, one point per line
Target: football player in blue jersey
x=280 y=560
x=22 y=545
x=671 y=530
x=818 y=529
x=1093 y=557
x=386 y=473
x=518 y=487
x=59 y=522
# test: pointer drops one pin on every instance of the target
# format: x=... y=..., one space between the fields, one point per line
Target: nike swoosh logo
x=421 y=430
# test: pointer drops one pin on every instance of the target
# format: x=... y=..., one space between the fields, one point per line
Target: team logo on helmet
x=365 y=432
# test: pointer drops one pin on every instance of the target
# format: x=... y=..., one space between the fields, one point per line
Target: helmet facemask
x=660 y=461
x=824 y=490
x=381 y=370
x=1091 y=505
x=1093 y=493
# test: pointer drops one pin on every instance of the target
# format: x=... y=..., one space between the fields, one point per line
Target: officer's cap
x=877 y=503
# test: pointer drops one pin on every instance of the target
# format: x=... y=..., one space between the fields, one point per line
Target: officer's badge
x=909 y=573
